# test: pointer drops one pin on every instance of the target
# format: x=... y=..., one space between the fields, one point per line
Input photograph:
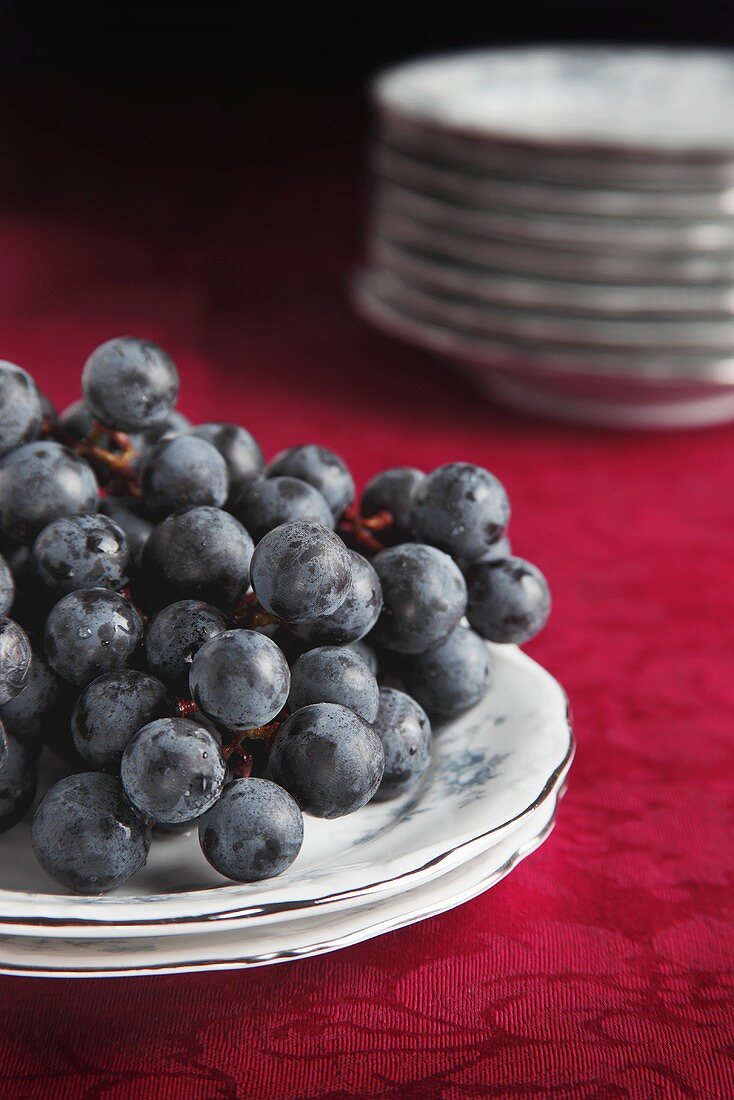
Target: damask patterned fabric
x=602 y=968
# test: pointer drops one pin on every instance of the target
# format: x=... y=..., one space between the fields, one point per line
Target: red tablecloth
x=602 y=967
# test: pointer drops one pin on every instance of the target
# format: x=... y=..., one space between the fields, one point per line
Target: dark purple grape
x=451 y=678
x=15 y=660
x=173 y=424
x=31 y=712
x=49 y=414
x=253 y=832
x=355 y=616
x=240 y=679
x=328 y=758
x=130 y=384
x=198 y=553
x=331 y=674
x=392 y=491
x=323 y=469
x=174 y=637
x=17 y=785
x=367 y=653
x=39 y=483
x=130 y=515
x=509 y=600
x=183 y=471
x=172 y=770
x=85 y=551
x=7 y=586
x=21 y=412
x=424 y=597
x=301 y=571
x=405 y=732
x=266 y=503
x=87 y=836
x=75 y=422
x=112 y=709
x=90 y=632
x=238 y=449
x=460 y=508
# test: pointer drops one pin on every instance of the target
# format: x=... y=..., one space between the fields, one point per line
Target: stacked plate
x=560 y=222
x=489 y=800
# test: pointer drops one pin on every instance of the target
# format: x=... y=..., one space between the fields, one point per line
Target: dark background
x=244 y=49
x=153 y=114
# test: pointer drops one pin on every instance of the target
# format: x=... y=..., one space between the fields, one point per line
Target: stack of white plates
x=560 y=222
x=488 y=800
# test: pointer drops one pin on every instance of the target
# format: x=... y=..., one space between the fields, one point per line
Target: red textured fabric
x=602 y=968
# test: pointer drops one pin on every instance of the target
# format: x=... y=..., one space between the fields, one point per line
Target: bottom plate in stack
x=616 y=389
x=489 y=799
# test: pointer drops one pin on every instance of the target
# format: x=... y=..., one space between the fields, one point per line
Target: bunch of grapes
x=210 y=642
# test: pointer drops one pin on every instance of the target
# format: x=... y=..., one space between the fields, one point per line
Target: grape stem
x=185 y=707
x=249 y=613
x=119 y=462
x=240 y=759
x=362 y=528
x=127 y=592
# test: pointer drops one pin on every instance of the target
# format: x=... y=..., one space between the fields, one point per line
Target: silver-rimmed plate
x=653 y=102
x=610 y=335
x=579 y=232
x=265 y=944
x=557 y=383
x=491 y=768
x=683 y=375
x=562 y=166
x=678 y=269
x=467 y=199
x=500 y=288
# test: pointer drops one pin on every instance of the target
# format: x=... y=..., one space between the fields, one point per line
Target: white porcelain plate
x=653 y=101
x=491 y=769
x=463 y=207
x=534 y=292
x=638 y=337
x=568 y=384
x=285 y=941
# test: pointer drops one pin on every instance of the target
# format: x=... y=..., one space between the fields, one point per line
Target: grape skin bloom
x=301 y=571
x=85 y=551
x=181 y=472
x=15 y=660
x=330 y=674
x=424 y=597
x=253 y=832
x=174 y=637
x=509 y=600
x=17 y=784
x=197 y=553
x=40 y=482
x=112 y=709
x=355 y=616
x=87 y=836
x=240 y=680
x=267 y=503
x=405 y=732
x=393 y=491
x=460 y=508
x=21 y=411
x=238 y=448
x=172 y=770
x=451 y=678
x=89 y=632
x=130 y=384
x=323 y=469
x=328 y=758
